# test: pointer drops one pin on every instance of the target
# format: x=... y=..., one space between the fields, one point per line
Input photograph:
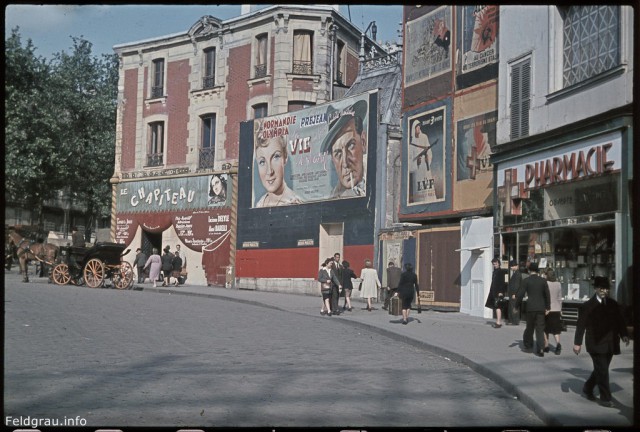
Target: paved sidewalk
x=550 y=386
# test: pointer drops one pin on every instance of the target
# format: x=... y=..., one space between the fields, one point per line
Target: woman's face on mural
x=216 y=185
x=271 y=161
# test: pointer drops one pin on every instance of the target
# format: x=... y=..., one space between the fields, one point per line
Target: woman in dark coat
x=406 y=288
x=347 y=284
x=167 y=266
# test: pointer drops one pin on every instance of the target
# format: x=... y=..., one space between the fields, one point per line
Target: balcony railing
x=260 y=71
x=302 y=67
x=383 y=61
x=206 y=158
x=154 y=159
x=157 y=91
x=208 y=82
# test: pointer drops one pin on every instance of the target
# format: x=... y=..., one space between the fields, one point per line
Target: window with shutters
x=591 y=41
x=340 y=62
x=520 y=98
x=209 y=72
x=260 y=110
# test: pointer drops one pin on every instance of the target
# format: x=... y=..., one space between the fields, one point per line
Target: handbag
x=325 y=287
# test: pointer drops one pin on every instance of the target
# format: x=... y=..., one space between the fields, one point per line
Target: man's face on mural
x=347 y=153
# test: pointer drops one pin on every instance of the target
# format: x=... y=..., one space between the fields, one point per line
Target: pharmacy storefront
x=566 y=207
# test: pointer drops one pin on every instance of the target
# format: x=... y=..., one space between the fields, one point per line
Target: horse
x=28 y=250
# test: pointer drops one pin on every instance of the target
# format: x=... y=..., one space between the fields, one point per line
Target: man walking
x=515 y=283
x=601 y=319
x=538 y=305
x=335 y=289
x=139 y=262
x=393 y=279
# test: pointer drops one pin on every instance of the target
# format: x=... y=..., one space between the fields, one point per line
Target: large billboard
x=428 y=45
x=475 y=138
x=311 y=155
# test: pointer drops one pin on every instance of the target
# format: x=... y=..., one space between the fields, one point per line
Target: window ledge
x=266 y=80
x=162 y=100
x=590 y=82
x=207 y=91
x=314 y=78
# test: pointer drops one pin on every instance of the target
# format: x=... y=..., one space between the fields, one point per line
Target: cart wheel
x=123 y=276
x=61 y=274
x=94 y=273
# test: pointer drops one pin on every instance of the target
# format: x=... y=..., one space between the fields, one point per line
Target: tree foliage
x=60 y=124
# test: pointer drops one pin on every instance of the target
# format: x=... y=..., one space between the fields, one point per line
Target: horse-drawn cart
x=93 y=266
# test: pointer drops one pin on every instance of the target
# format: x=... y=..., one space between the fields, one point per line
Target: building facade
x=564 y=159
x=450 y=97
x=181 y=100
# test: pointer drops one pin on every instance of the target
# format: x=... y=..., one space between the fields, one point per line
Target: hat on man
x=513 y=263
x=601 y=282
x=338 y=119
x=167 y=249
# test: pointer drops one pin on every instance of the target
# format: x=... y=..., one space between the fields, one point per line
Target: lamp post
x=66 y=207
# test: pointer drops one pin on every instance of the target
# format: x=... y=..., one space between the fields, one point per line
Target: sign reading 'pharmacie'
x=585 y=159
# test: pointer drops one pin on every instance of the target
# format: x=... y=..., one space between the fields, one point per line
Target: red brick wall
x=353 y=66
x=129 y=120
x=237 y=96
x=302 y=85
x=177 y=109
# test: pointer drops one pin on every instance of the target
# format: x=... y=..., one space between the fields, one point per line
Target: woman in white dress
x=370 y=283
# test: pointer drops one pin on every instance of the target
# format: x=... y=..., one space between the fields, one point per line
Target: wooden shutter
x=520 y=98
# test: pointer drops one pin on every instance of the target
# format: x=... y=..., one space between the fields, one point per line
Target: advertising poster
x=479 y=36
x=428 y=45
x=475 y=138
x=310 y=155
x=426 y=152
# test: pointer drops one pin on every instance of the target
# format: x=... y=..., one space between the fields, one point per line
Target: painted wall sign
x=311 y=155
x=582 y=160
x=428 y=44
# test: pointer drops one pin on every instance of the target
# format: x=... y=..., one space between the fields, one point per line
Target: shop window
x=260 y=66
x=157 y=79
x=156 y=144
x=302 y=52
x=591 y=41
x=520 y=98
x=209 y=72
x=260 y=110
x=207 y=151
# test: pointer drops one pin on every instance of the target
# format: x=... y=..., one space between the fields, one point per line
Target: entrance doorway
x=150 y=241
x=331 y=241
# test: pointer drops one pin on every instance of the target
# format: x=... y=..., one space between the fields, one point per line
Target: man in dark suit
x=515 y=283
x=538 y=305
x=335 y=289
x=602 y=320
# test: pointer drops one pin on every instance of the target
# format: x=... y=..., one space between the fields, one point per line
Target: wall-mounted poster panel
x=479 y=36
x=475 y=138
x=426 y=153
x=175 y=194
x=428 y=46
x=311 y=155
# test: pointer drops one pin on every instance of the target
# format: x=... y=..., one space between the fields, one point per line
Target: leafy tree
x=60 y=125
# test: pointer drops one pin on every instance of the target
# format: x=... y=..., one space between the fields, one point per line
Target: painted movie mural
x=311 y=155
x=479 y=36
x=198 y=208
x=426 y=151
x=428 y=45
x=475 y=138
